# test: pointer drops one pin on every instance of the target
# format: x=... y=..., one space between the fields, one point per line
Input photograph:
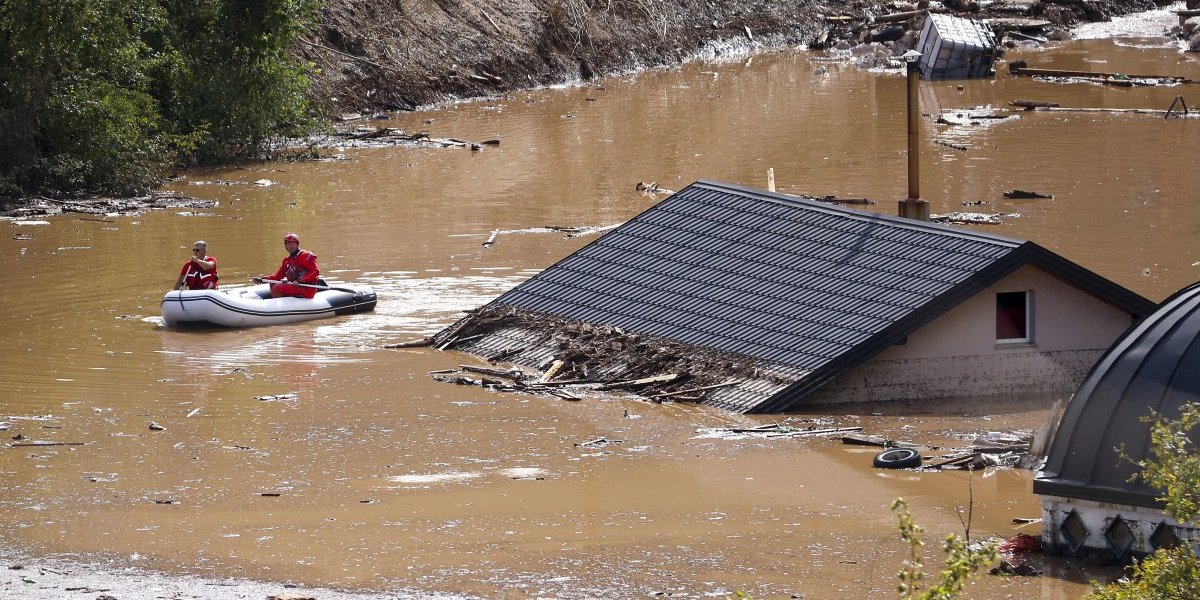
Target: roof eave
x=1026 y=253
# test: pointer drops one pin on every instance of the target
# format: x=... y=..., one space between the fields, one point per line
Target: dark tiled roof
x=805 y=287
x=1155 y=367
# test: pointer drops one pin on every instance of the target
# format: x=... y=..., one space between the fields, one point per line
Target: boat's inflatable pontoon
x=253 y=306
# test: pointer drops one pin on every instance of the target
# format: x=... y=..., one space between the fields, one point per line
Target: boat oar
x=316 y=287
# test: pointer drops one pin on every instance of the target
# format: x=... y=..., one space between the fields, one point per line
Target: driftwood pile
x=585 y=356
x=518 y=380
x=95 y=209
x=391 y=136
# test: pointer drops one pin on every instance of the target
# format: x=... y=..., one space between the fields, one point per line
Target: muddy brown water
x=379 y=478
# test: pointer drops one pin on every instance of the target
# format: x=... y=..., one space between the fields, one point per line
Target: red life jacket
x=196 y=278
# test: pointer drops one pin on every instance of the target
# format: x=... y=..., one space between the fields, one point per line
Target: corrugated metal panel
x=794 y=283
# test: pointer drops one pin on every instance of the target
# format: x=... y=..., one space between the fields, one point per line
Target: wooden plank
x=517 y=376
x=854 y=439
x=904 y=16
x=555 y=367
x=451 y=337
x=640 y=382
x=699 y=389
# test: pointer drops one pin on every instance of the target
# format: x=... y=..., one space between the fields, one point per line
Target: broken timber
x=622 y=385
x=420 y=343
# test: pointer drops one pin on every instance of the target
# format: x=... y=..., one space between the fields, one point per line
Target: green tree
x=1173 y=466
x=75 y=109
x=232 y=80
x=103 y=96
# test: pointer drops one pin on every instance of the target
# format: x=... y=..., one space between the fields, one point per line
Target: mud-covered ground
x=399 y=55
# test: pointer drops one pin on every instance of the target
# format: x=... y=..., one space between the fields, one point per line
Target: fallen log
x=1125 y=111
x=1031 y=72
x=420 y=343
x=1032 y=103
x=1026 y=195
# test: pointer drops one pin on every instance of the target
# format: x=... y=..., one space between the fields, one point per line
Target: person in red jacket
x=299 y=266
x=200 y=271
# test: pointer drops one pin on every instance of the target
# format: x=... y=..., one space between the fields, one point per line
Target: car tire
x=898 y=458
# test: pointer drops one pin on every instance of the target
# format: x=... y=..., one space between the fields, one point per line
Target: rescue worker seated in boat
x=200 y=271
x=298 y=274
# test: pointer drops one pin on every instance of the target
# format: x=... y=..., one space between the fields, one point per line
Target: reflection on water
x=376 y=477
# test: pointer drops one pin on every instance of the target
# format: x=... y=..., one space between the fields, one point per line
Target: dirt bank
x=398 y=55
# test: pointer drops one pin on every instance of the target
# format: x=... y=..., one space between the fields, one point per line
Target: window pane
x=1010 y=316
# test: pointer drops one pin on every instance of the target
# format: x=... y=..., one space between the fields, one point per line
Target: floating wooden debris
x=963 y=218
x=392 y=135
x=586 y=231
x=418 y=343
x=1019 y=68
x=651 y=189
x=949 y=144
x=857 y=439
x=491 y=239
x=1019 y=194
x=1032 y=104
x=600 y=441
x=38 y=443
x=773 y=430
x=278 y=397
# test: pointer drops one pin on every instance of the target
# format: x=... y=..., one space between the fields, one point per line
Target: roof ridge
x=900 y=222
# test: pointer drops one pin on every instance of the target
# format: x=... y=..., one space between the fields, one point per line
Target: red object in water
x=1022 y=543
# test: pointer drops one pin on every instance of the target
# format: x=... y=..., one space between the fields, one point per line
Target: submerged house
x=1089 y=503
x=824 y=304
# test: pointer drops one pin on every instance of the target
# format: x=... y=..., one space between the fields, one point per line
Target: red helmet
x=291 y=237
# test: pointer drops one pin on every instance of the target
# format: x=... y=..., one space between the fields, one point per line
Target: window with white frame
x=1014 y=317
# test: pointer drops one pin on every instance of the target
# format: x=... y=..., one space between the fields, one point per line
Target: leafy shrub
x=1173 y=466
x=961 y=561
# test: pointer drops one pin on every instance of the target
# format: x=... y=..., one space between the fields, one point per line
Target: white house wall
x=957 y=354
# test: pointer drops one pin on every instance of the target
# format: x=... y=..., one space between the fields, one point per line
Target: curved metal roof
x=1154 y=366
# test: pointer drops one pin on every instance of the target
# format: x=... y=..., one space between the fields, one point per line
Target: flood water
x=379 y=478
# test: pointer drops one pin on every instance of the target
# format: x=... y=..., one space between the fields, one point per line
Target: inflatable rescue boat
x=253 y=306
